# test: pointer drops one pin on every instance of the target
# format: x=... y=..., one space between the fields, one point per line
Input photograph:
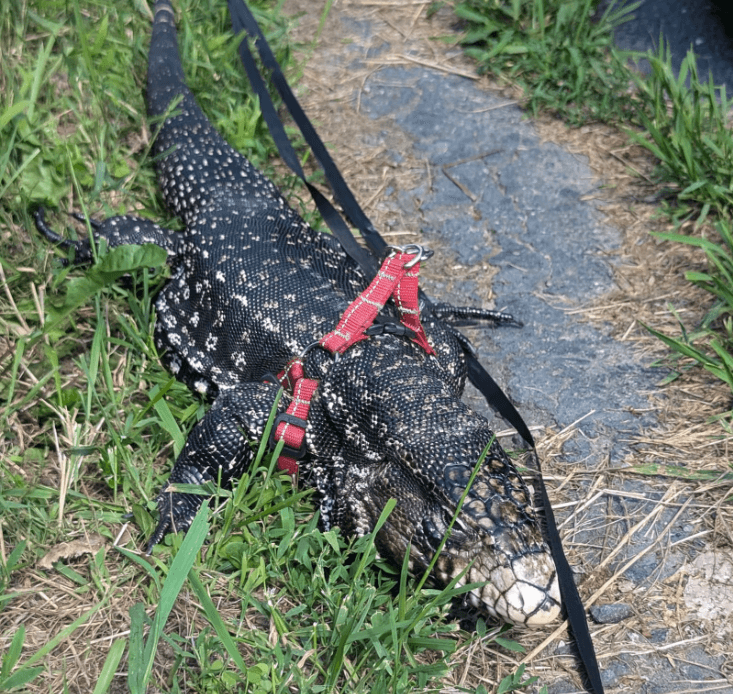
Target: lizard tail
x=165 y=72
x=195 y=164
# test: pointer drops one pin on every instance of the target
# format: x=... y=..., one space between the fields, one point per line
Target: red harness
x=396 y=279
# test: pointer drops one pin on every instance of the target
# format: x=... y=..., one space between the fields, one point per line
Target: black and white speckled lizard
x=252 y=287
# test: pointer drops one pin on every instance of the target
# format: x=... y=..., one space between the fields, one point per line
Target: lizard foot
x=117 y=231
x=468 y=315
x=82 y=251
x=176 y=509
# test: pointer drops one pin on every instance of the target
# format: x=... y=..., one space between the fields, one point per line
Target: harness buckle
x=288 y=451
x=400 y=330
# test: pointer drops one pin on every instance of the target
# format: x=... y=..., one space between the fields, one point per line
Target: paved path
x=704 y=25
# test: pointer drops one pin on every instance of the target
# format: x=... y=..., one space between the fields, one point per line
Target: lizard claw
x=177 y=512
x=177 y=509
x=81 y=248
x=469 y=315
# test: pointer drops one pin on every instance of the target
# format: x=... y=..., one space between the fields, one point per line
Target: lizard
x=252 y=287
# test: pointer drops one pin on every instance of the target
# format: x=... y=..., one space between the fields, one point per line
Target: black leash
x=243 y=20
x=328 y=211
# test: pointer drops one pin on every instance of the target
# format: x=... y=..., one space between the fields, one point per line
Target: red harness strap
x=398 y=279
x=290 y=426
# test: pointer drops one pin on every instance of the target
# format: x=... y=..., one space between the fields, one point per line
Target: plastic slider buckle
x=296 y=453
x=390 y=329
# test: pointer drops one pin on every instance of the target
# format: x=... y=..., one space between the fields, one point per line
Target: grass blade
x=174 y=581
x=216 y=621
x=110 y=666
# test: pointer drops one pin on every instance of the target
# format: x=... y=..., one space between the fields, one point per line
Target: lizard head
x=418 y=443
x=494 y=539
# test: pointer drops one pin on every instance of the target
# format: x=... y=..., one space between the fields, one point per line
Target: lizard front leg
x=469 y=315
x=219 y=448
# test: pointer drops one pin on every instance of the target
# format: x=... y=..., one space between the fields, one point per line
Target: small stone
x=609 y=677
x=611 y=614
x=659 y=635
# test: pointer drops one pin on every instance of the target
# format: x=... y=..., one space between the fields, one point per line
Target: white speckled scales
x=253 y=285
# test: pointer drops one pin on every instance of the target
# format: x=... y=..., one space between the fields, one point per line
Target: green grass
x=255 y=597
x=686 y=126
x=562 y=55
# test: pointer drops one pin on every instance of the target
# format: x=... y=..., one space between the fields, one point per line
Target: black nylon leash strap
x=572 y=603
x=328 y=211
x=243 y=20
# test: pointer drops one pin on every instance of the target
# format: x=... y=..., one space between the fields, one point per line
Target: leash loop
x=397 y=278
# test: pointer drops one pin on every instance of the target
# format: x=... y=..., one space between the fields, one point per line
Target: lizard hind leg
x=82 y=251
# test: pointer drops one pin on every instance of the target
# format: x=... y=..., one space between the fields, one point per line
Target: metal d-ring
x=420 y=253
x=315 y=344
x=311 y=346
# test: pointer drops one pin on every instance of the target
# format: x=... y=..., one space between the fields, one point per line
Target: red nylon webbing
x=293 y=379
x=392 y=280
x=406 y=297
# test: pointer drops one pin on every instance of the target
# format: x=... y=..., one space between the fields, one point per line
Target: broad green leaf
x=116 y=263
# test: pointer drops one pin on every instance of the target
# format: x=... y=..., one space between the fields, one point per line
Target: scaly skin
x=252 y=286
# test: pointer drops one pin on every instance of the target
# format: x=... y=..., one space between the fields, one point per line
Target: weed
x=686 y=127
